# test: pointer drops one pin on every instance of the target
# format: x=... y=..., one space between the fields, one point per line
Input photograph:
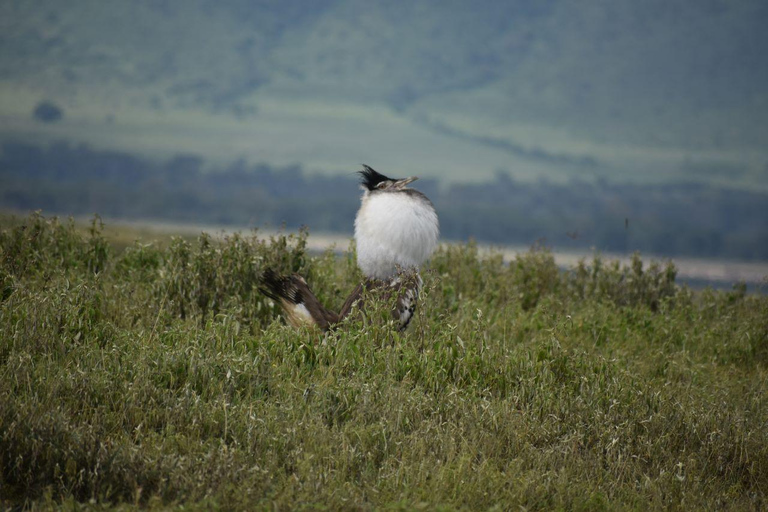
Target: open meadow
x=155 y=374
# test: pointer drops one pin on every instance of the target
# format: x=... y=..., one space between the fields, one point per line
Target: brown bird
x=396 y=230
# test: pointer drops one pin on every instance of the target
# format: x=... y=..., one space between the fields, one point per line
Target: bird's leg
x=401 y=293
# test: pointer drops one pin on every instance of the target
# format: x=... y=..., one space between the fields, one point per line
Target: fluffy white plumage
x=394 y=229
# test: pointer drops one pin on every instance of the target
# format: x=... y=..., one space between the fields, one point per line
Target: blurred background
x=612 y=125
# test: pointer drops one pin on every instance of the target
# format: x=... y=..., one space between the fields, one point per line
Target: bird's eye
x=383 y=184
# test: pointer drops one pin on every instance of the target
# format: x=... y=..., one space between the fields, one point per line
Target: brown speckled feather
x=301 y=307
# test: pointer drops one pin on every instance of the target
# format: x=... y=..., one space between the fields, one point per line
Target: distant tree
x=47 y=112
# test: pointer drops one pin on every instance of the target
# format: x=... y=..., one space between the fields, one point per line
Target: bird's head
x=373 y=181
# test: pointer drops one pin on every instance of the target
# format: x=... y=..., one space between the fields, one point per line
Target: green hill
x=649 y=91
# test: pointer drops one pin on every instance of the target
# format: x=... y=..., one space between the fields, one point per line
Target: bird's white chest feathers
x=394 y=229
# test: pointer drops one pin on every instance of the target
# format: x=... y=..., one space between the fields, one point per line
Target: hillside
x=652 y=91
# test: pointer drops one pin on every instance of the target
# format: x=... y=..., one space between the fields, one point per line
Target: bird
x=396 y=230
x=395 y=227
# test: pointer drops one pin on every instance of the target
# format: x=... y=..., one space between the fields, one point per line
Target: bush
x=43 y=245
x=47 y=112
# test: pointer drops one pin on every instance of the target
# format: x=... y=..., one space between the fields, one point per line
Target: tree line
x=665 y=219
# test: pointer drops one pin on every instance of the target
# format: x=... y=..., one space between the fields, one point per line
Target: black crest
x=371 y=178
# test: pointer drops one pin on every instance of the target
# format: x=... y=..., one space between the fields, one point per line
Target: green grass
x=158 y=376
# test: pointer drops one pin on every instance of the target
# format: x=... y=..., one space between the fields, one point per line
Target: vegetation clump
x=47 y=112
x=157 y=376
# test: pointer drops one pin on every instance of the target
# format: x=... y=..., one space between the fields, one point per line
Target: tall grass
x=158 y=376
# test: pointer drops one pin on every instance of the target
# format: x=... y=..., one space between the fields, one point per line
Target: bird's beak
x=403 y=182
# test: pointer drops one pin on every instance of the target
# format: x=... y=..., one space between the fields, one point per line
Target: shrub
x=47 y=112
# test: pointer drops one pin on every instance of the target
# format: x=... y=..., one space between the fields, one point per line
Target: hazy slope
x=651 y=90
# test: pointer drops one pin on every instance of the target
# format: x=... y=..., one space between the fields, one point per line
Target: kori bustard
x=396 y=230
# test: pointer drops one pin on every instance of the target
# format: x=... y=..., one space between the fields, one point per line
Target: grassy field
x=156 y=375
x=331 y=137
x=326 y=137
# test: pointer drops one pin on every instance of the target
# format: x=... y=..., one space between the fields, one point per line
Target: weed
x=158 y=376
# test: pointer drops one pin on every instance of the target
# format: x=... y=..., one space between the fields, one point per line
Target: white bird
x=396 y=230
x=396 y=226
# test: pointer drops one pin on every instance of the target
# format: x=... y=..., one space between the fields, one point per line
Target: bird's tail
x=297 y=301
